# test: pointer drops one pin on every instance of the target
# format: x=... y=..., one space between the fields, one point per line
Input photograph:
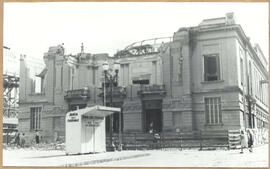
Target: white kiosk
x=85 y=129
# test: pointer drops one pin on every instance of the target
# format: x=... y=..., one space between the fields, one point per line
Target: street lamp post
x=112 y=81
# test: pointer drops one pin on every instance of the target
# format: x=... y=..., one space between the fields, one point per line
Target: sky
x=105 y=27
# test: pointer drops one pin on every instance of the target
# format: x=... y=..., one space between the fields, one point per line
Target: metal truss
x=10 y=95
x=145 y=47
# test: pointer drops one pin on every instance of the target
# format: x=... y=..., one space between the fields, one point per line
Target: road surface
x=195 y=158
x=139 y=158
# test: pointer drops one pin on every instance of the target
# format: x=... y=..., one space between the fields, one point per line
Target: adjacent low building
x=201 y=78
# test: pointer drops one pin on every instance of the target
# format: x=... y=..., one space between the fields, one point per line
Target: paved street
x=150 y=158
x=195 y=158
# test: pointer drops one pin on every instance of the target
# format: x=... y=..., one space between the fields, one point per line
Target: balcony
x=117 y=92
x=77 y=94
x=152 y=90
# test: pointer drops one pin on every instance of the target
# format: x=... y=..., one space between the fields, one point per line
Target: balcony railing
x=77 y=94
x=152 y=89
x=117 y=92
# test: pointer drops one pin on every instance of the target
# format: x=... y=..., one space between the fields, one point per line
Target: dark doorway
x=152 y=116
x=115 y=126
x=115 y=122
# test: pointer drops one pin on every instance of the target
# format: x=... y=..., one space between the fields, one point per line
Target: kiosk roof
x=100 y=111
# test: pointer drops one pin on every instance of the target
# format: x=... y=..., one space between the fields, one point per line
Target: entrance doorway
x=152 y=116
x=115 y=122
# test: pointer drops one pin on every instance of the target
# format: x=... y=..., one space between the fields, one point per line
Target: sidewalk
x=27 y=157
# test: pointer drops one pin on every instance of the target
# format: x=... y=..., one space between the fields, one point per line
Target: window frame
x=242 y=73
x=35 y=123
x=218 y=106
x=218 y=64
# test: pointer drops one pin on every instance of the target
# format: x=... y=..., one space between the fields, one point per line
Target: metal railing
x=117 y=92
x=77 y=94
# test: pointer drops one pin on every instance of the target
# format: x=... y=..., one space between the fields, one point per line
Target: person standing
x=250 y=141
x=22 y=140
x=151 y=127
x=17 y=140
x=37 y=137
x=243 y=141
x=157 y=140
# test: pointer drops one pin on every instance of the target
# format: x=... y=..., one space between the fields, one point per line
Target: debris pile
x=40 y=146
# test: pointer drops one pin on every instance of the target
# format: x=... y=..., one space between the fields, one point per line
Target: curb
x=105 y=160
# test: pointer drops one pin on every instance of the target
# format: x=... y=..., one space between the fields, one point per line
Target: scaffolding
x=10 y=95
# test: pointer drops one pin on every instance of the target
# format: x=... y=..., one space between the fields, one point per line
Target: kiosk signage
x=85 y=129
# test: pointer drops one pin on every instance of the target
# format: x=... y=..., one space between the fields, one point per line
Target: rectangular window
x=211 y=67
x=33 y=86
x=35 y=118
x=242 y=71
x=250 y=78
x=213 y=114
x=71 y=78
x=121 y=79
x=126 y=74
x=62 y=77
x=38 y=84
x=42 y=84
x=252 y=121
x=257 y=84
x=154 y=68
x=94 y=75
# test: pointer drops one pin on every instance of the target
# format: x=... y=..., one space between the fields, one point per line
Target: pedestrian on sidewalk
x=17 y=139
x=250 y=141
x=22 y=140
x=151 y=128
x=243 y=141
x=37 y=137
x=157 y=140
